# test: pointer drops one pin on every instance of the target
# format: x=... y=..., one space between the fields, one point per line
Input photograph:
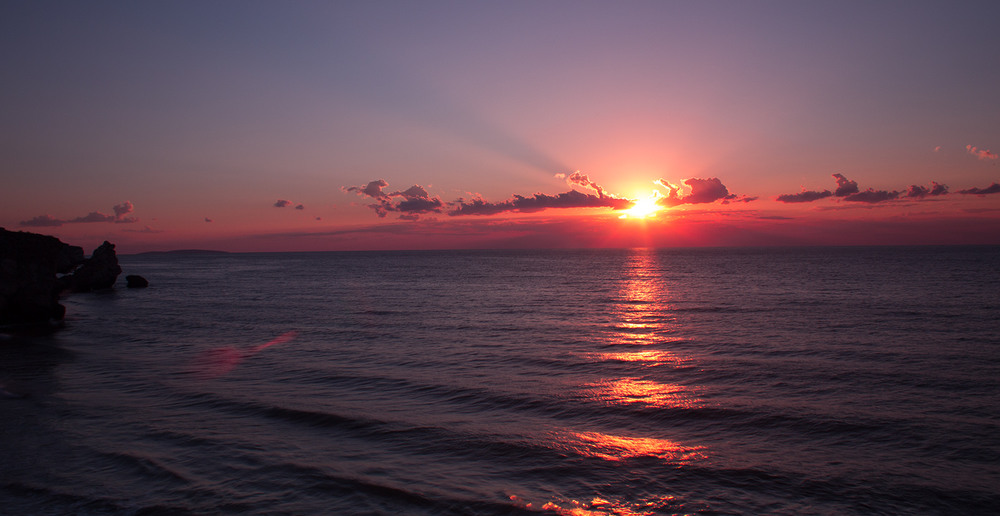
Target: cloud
x=95 y=216
x=872 y=196
x=980 y=153
x=845 y=186
x=744 y=198
x=300 y=207
x=578 y=179
x=409 y=203
x=702 y=191
x=281 y=203
x=804 y=196
x=208 y=220
x=937 y=149
x=919 y=192
x=43 y=221
x=537 y=202
x=372 y=189
x=992 y=189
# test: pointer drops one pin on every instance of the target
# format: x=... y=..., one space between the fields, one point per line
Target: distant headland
x=182 y=251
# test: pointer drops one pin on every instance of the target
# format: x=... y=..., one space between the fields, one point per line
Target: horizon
x=255 y=127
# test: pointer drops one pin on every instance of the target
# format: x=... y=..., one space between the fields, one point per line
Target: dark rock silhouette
x=29 y=288
x=136 y=281
x=98 y=272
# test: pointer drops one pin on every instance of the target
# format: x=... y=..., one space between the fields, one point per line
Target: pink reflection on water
x=220 y=361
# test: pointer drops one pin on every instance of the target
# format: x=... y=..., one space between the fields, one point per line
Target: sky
x=311 y=126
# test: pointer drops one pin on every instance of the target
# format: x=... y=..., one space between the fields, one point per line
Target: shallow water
x=719 y=381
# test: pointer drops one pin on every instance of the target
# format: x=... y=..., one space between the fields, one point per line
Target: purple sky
x=202 y=115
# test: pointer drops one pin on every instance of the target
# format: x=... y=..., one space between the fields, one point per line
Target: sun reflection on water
x=640 y=315
x=625 y=391
x=642 y=336
x=597 y=506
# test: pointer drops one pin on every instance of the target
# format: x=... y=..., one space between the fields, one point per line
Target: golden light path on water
x=641 y=326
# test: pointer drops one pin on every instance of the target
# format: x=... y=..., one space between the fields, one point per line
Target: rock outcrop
x=29 y=286
x=136 y=281
x=98 y=272
x=30 y=265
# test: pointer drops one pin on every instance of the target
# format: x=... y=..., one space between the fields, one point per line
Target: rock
x=136 y=281
x=97 y=272
x=29 y=288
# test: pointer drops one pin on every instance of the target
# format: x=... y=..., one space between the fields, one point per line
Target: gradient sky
x=163 y=125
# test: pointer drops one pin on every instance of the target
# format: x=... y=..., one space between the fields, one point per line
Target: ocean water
x=710 y=381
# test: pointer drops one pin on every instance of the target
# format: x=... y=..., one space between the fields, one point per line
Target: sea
x=784 y=381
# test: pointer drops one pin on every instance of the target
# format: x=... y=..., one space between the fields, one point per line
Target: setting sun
x=643 y=208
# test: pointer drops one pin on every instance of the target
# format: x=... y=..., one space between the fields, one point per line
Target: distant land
x=182 y=251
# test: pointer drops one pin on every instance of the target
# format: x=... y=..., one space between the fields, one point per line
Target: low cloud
x=43 y=221
x=300 y=207
x=282 y=203
x=992 y=189
x=703 y=191
x=578 y=179
x=409 y=203
x=372 y=189
x=872 y=196
x=537 y=202
x=845 y=186
x=121 y=210
x=804 y=196
x=208 y=220
x=919 y=191
x=980 y=153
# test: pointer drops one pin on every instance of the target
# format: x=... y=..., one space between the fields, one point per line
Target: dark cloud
x=804 y=196
x=95 y=216
x=919 y=191
x=208 y=219
x=281 y=203
x=702 y=191
x=845 y=186
x=409 y=203
x=872 y=196
x=43 y=221
x=123 y=209
x=538 y=202
x=372 y=189
x=300 y=207
x=992 y=189
x=744 y=198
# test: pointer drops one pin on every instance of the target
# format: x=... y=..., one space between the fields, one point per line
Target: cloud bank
x=409 y=203
x=120 y=217
x=992 y=189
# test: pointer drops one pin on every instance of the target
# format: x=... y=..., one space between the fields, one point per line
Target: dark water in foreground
x=780 y=381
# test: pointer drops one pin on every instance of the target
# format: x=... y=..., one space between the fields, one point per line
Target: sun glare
x=643 y=208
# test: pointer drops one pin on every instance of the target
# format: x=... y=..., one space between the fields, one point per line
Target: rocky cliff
x=30 y=269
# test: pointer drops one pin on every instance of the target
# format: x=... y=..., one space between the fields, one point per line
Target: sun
x=643 y=208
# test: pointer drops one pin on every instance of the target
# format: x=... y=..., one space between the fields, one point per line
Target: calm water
x=779 y=381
